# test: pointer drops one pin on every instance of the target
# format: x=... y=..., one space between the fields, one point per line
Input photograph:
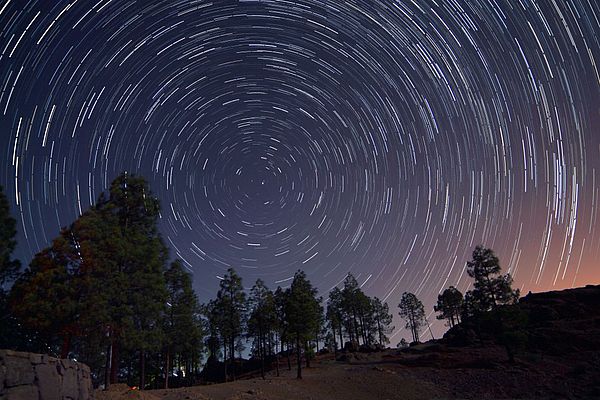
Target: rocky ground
x=427 y=371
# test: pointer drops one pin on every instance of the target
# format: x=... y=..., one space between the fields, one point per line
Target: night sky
x=381 y=138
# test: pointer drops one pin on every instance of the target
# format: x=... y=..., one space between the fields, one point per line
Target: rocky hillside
x=558 y=323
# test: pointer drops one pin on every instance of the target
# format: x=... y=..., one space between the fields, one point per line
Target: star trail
x=382 y=138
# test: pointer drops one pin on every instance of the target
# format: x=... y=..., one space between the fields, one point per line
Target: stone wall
x=28 y=376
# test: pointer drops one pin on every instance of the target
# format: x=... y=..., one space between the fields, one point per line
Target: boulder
x=85 y=388
x=47 y=380
x=70 y=387
x=21 y=393
x=18 y=371
x=35 y=358
x=30 y=376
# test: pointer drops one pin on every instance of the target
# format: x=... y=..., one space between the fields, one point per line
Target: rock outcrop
x=28 y=376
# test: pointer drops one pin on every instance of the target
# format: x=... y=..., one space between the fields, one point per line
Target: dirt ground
x=429 y=372
x=324 y=380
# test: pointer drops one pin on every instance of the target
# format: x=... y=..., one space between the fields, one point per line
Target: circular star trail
x=382 y=138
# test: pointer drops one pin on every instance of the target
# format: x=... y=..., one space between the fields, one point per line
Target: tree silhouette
x=9 y=268
x=262 y=319
x=302 y=313
x=181 y=325
x=357 y=316
x=351 y=304
x=9 y=271
x=412 y=310
x=215 y=321
x=490 y=289
x=335 y=316
x=449 y=306
x=231 y=303
x=383 y=320
x=280 y=299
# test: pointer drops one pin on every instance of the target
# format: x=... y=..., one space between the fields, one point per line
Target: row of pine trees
x=290 y=321
x=104 y=292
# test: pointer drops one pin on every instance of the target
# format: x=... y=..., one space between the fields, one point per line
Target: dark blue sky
x=382 y=138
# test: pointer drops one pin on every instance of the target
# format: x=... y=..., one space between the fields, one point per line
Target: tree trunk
x=232 y=358
x=167 y=367
x=261 y=351
x=494 y=305
x=107 y=369
x=142 y=369
x=225 y=359
x=413 y=328
x=298 y=358
x=362 y=329
x=355 y=326
x=114 y=362
x=288 y=357
x=306 y=354
x=335 y=346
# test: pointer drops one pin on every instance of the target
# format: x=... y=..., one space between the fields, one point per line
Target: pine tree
x=383 y=320
x=182 y=330
x=350 y=304
x=215 y=327
x=335 y=316
x=9 y=271
x=490 y=288
x=412 y=310
x=281 y=322
x=302 y=313
x=101 y=281
x=261 y=320
x=102 y=246
x=449 y=306
x=231 y=303
x=46 y=298
x=9 y=268
x=144 y=262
